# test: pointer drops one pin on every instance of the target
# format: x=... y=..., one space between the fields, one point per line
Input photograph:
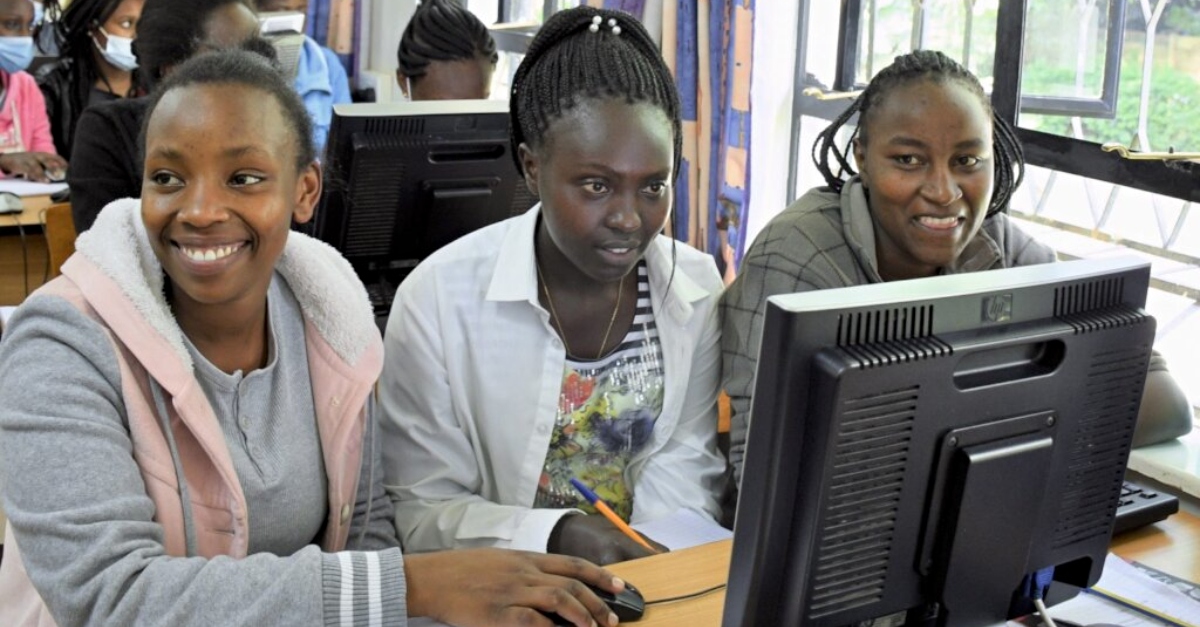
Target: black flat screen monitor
x=404 y=179
x=917 y=447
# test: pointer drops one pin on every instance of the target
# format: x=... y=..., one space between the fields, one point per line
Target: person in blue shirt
x=320 y=78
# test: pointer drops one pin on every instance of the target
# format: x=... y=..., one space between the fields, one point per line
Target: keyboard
x=1141 y=505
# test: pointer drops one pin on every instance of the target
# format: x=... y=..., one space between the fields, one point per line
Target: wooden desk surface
x=32 y=214
x=22 y=262
x=1172 y=546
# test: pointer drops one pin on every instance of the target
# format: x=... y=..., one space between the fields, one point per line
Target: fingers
x=577 y=569
x=53 y=166
x=567 y=599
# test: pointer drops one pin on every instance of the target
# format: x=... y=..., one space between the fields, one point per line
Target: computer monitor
x=404 y=179
x=917 y=447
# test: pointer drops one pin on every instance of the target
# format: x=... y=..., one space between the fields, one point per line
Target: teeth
x=619 y=251
x=932 y=221
x=209 y=254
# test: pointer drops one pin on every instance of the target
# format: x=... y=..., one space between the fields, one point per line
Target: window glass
x=1065 y=46
x=963 y=29
x=1158 y=99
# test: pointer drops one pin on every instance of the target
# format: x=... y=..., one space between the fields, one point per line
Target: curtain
x=334 y=24
x=707 y=43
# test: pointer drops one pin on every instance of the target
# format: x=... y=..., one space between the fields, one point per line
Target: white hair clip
x=616 y=30
x=595 y=26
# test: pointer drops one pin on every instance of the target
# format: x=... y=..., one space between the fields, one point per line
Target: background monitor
x=918 y=447
x=404 y=179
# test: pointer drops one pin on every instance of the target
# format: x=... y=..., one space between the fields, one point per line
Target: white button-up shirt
x=471 y=382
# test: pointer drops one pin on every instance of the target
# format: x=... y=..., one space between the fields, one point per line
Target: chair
x=60 y=235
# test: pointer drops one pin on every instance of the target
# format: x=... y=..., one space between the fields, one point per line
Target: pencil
x=612 y=517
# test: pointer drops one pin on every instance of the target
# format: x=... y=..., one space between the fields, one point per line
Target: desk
x=1172 y=546
x=13 y=256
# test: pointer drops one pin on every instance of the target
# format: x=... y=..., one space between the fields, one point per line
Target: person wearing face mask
x=26 y=149
x=320 y=78
x=105 y=155
x=96 y=62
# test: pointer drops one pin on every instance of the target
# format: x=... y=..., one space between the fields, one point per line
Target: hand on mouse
x=595 y=539
x=35 y=166
x=493 y=587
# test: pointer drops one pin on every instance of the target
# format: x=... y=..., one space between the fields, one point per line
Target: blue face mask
x=16 y=53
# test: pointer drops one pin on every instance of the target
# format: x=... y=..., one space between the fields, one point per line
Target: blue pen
x=612 y=517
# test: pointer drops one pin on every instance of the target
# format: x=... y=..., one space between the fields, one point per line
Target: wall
x=380 y=27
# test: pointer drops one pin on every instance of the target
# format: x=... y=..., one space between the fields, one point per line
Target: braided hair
x=574 y=57
x=72 y=30
x=441 y=30
x=1009 y=160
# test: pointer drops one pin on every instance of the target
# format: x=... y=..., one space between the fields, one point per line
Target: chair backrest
x=60 y=235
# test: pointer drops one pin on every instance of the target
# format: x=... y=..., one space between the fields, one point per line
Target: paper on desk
x=1124 y=581
x=21 y=187
x=683 y=529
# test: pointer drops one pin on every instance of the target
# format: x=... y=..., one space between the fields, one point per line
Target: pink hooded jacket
x=345 y=358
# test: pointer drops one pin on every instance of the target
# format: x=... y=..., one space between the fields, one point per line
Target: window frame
x=1176 y=179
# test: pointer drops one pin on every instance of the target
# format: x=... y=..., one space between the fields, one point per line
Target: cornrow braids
x=1009 y=156
x=441 y=30
x=584 y=53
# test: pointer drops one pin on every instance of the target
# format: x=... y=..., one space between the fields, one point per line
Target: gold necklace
x=553 y=313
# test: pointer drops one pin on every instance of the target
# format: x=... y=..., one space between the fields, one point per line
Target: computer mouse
x=628 y=605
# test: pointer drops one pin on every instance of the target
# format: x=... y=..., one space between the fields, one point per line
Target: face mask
x=16 y=53
x=118 y=51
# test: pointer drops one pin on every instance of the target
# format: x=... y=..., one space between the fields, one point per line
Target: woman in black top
x=106 y=162
x=95 y=64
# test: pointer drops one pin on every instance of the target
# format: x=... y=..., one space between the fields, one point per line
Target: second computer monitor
x=404 y=179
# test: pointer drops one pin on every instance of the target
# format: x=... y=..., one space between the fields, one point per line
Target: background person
x=106 y=150
x=95 y=60
x=320 y=77
x=445 y=53
x=26 y=148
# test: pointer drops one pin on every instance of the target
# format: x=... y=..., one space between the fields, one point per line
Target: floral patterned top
x=606 y=414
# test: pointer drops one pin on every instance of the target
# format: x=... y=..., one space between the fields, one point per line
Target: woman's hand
x=494 y=587
x=595 y=539
x=43 y=167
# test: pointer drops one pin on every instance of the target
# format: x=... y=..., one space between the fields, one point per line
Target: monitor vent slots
x=1107 y=318
x=390 y=126
x=881 y=337
x=885 y=325
x=870 y=459
x=1088 y=296
x=374 y=186
x=1113 y=391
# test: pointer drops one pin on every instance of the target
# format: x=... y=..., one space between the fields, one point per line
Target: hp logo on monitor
x=997 y=308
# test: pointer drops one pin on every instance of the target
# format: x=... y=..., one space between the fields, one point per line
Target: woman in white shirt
x=572 y=342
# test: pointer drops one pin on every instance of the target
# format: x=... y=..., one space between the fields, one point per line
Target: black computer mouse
x=628 y=605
